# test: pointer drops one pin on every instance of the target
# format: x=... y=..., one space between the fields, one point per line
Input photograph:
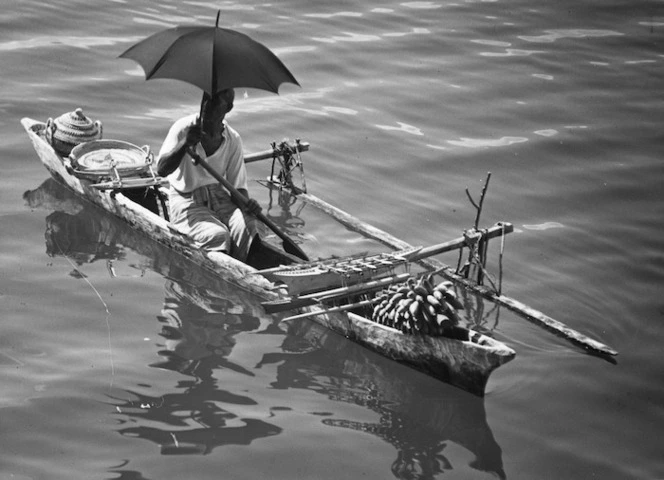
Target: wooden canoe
x=459 y=361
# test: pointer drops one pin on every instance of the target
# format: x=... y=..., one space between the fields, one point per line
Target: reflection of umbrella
x=211 y=58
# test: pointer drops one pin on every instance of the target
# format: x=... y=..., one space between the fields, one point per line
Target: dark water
x=121 y=360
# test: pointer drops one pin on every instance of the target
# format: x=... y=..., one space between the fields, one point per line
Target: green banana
x=403 y=305
x=428 y=284
x=451 y=313
x=395 y=298
x=421 y=290
x=433 y=301
x=444 y=285
x=415 y=307
x=403 y=289
x=452 y=299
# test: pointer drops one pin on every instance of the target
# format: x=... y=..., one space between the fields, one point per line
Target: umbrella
x=212 y=58
x=215 y=59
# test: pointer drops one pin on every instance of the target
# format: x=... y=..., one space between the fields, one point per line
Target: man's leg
x=195 y=219
x=242 y=228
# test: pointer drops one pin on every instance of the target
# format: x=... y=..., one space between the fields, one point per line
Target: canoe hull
x=141 y=218
x=464 y=363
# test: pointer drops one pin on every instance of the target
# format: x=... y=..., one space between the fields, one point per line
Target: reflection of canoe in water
x=201 y=317
x=460 y=361
x=75 y=229
x=418 y=418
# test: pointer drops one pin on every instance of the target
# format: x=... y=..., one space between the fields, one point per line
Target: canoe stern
x=464 y=363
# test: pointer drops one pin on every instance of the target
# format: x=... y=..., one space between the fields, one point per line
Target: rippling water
x=120 y=360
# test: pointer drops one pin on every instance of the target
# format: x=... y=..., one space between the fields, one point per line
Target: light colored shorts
x=209 y=216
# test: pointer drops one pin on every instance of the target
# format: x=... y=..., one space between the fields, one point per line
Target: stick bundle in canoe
x=306 y=300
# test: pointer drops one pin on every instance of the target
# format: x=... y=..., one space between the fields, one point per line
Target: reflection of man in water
x=199 y=320
x=199 y=329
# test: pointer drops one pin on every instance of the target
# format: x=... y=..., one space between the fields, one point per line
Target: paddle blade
x=291 y=247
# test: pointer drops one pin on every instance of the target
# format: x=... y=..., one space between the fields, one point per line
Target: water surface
x=119 y=359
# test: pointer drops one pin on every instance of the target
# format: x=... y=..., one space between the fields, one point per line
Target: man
x=198 y=205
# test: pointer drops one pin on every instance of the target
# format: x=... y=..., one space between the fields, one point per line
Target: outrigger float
x=375 y=300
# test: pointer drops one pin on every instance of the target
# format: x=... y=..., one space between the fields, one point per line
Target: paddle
x=240 y=200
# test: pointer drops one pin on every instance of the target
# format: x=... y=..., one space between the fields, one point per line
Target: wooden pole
x=533 y=315
x=340 y=308
x=495 y=231
x=265 y=154
x=281 y=305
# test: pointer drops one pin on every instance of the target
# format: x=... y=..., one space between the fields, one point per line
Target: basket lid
x=75 y=125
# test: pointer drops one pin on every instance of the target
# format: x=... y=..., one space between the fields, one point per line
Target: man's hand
x=169 y=162
x=252 y=206
x=194 y=135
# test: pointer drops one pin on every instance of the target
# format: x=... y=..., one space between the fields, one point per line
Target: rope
x=108 y=313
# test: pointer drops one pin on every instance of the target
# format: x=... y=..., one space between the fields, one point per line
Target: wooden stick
x=340 y=308
x=333 y=294
x=495 y=231
x=354 y=223
x=297 y=266
x=265 y=154
x=131 y=182
x=419 y=255
x=482 y=195
x=532 y=315
x=500 y=265
x=555 y=326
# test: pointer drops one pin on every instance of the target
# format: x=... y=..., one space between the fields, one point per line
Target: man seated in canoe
x=198 y=205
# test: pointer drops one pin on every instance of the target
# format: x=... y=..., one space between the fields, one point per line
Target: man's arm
x=169 y=161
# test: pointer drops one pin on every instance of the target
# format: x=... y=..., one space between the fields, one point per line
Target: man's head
x=216 y=107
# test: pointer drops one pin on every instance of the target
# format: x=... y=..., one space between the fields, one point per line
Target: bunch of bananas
x=418 y=307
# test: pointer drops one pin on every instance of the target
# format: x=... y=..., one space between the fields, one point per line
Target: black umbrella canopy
x=212 y=58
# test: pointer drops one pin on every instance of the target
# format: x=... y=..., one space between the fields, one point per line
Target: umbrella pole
x=200 y=113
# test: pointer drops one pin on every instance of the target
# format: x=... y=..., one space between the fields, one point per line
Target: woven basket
x=71 y=129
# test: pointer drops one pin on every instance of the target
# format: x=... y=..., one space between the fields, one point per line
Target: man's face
x=217 y=108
